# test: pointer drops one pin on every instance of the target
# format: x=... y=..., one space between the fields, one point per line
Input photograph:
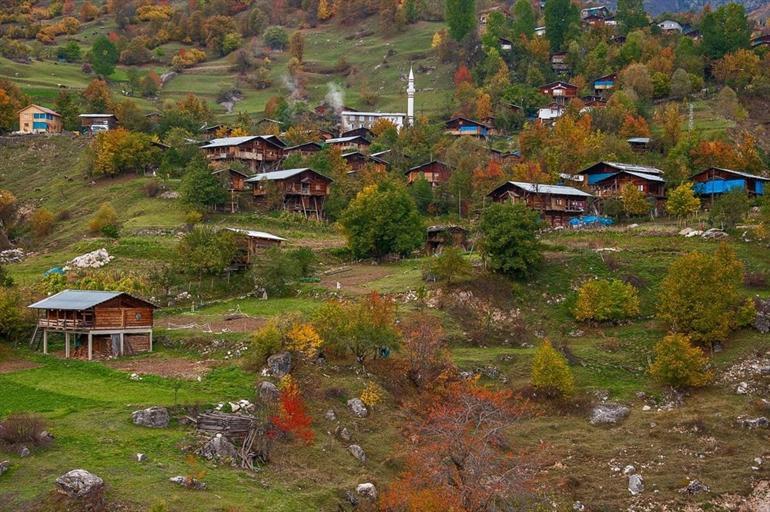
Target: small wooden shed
x=101 y=322
x=446 y=236
x=251 y=243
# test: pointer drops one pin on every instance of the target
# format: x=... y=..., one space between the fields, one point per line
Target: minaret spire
x=410 y=90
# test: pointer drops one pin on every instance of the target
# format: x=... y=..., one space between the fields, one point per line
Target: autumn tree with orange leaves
x=293 y=417
x=461 y=459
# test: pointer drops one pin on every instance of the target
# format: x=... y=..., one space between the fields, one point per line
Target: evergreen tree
x=104 y=56
x=524 y=18
x=461 y=18
x=422 y=192
x=410 y=11
x=562 y=22
x=631 y=15
x=67 y=106
x=725 y=30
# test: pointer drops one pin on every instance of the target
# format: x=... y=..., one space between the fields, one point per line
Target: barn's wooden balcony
x=65 y=323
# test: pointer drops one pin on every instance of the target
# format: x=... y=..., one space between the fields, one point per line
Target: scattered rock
x=24 y=452
x=190 y=483
x=12 y=256
x=219 y=448
x=357 y=452
x=762 y=320
x=358 y=408
x=343 y=433
x=279 y=364
x=695 y=487
x=751 y=423
x=4 y=465
x=80 y=484
x=629 y=470
x=646 y=408
x=578 y=506
x=635 y=484
x=714 y=234
x=170 y=194
x=153 y=417
x=351 y=498
x=268 y=392
x=742 y=389
x=759 y=499
x=135 y=376
x=608 y=413
x=93 y=259
x=367 y=490
x=141 y=457
x=330 y=415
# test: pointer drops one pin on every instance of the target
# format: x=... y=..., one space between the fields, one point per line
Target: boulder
x=714 y=234
x=153 y=417
x=578 y=506
x=24 y=452
x=762 y=320
x=190 y=483
x=268 y=392
x=4 y=465
x=330 y=415
x=742 y=388
x=80 y=484
x=635 y=484
x=279 y=364
x=358 y=408
x=608 y=413
x=694 y=487
x=219 y=448
x=357 y=452
x=343 y=433
x=760 y=422
x=367 y=490
x=629 y=470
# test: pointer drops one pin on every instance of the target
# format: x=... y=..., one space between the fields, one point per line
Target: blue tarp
x=590 y=220
x=717 y=186
x=759 y=188
x=54 y=270
x=593 y=178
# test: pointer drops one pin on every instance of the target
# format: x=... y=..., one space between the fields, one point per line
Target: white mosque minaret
x=410 y=99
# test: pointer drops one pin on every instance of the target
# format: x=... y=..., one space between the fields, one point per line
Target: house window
x=641 y=187
x=138 y=316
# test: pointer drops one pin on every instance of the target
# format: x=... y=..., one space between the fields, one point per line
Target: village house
x=550 y=113
x=592 y=102
x=639 y=144
x=257 y=152
x=560 y=92
x=96 y=323
x=459 y=126
x=504 y=156
x=606 y=179
x=439 y=237
x=37 y=119
x=301 y=190
x=350 y=120
x=234 y=181
x=304 y=149
x=601 y=11
x=762 y=40
x=715 y=181
x=251 y=244
x=540 y=31
x=559 y=62
x=382 y=155
x=604 y=85
x=434 y=172
x=209 y=132
x=95 y=123
x=505 y=44
x=557 y=204
x=484 y=16
x=361 y=132
x=670 y=26
x=353 y=143
x=357 y=161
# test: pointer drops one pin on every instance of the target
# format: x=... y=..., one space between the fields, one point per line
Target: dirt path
x=175 y=368
x=16 y=365
x=353 y=278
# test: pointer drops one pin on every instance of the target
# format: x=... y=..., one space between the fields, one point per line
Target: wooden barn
x=604 y=85
x=96 y=323
x=300 y=190
x=252 y=243
x=434 y=172
x=561 y=92
x=258 y=152
x=304 y=149
x=715 y=181
x=95 y=123
x=451 y=235
x=352 y=143
x=357 y=161
x=606 y=179
x=557 y=204
x=462 y=126
x=361 y=131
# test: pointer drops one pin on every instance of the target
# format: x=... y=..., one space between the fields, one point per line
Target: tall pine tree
x=725 y=30
x=631 y=15
x=461 y=18
x=524 y=18
x=562 y=22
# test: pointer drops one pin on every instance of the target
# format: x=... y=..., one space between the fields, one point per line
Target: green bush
x=509 y=239
x=448 y=265
x=606 y=300
x=265 y=342
x=278 y=271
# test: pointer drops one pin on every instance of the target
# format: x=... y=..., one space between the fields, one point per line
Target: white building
x=670 y=26
x=350 y=119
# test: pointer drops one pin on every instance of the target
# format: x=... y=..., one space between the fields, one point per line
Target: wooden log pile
x=235 y=427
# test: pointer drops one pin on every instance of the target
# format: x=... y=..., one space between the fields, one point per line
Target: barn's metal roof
x=539 y=188
x=75 y=300
x=256 y=234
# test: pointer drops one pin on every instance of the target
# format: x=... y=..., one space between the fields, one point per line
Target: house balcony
x=62 y=323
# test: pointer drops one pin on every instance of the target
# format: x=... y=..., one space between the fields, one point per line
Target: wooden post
x=66 y=345
x=150 y=341
x=45 y=340
x=121 y=342
x=90 y=346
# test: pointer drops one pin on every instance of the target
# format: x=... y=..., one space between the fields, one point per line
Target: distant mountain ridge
x=656 y=7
